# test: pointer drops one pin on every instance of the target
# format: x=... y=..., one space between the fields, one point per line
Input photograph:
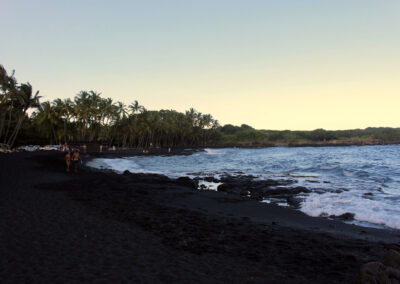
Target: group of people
x=72 y=155
x=75 y=157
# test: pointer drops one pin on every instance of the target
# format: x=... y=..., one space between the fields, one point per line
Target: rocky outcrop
x=377 y=273
x=344 y=217
x=278 y=191
x=186 y=181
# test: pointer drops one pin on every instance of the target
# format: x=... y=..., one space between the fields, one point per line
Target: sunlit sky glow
x=297 y=65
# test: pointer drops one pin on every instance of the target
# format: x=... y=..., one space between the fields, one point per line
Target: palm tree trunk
x=3 y=119
x=124 y=139
x=14 y=134
x=65 y=130
x=9 y=122
x=54 y=134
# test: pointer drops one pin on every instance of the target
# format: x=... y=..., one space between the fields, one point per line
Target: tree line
x=15 y=100
x=91 y=118
x=245 y=135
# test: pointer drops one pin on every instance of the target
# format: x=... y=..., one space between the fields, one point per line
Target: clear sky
x=286 y=64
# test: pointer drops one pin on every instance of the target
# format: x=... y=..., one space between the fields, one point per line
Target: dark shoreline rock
x=344 y=217
x=247 y=186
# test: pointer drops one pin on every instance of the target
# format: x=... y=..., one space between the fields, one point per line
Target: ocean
x=363 y=180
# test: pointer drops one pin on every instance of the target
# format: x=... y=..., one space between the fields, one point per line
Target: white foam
x=117 y=165
x=364 y=210
x=209 y=151
x=348 y=174
x=209 y=185
x=327 y=168
x=128 y=164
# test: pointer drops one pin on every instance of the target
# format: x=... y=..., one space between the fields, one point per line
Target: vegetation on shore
x=246 y=136
x=91 y=118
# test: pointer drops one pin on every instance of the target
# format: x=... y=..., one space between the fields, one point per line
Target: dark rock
x=288 y=190
x=393 y=259
x=223 y=187
x=392 y=273
x=368 y=195
x=300 y=189
x=373 y=272
x=186 y=181
x=294 y=201
x=345 y=217
x=211 y=179
x=203 y=187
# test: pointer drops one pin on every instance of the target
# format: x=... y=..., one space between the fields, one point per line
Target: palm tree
x=82 y=109
x=8 y=87
x=47 y=117
x=90 y=117
x=26 y=100
x=135 y=107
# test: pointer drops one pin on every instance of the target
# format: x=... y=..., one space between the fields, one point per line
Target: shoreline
x=286 y=193
x=179 y=150
x=256 y=210
x=99 y=225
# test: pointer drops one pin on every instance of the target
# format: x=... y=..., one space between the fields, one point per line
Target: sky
x=287 y=64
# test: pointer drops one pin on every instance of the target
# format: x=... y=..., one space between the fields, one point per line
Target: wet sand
x=100 y=227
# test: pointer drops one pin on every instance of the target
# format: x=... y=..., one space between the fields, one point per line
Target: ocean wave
x=209 y=151
x=358 y=170
x=117 y=165
x=364 y=210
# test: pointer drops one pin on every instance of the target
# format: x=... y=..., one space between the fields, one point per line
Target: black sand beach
x=101 y=227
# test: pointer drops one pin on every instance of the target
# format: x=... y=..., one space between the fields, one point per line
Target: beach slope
x=100 y=226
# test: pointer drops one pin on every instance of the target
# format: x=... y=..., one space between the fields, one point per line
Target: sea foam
x=364 y=209
x=360 y=180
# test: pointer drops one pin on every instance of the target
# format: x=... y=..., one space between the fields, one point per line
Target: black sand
x=97 y=227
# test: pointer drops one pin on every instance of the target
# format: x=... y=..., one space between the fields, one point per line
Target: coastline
x=98 y=225
x=316 y=144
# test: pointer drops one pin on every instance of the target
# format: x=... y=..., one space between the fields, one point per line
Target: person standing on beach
x=65 y=147
x=68 y=160
x=101 y=148
x=75 y=160
x=84 y=148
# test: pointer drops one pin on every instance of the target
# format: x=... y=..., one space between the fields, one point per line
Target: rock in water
x=345 y=217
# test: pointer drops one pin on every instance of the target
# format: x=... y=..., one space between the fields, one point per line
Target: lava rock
x=294 y=201
x=223 y=187
x=373 y=272
x=393 y=259
x=345 y=217
x=186 y=181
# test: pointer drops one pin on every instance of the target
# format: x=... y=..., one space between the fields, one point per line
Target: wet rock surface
x=344 y=217
x=274 y=190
